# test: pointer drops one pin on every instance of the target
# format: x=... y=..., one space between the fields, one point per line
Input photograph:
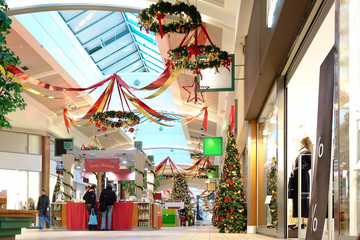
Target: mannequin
x=305 y=156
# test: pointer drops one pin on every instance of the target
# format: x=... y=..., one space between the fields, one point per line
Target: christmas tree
x=230 y=212
x=272 y=190
x=57 y=188
x=180 y=192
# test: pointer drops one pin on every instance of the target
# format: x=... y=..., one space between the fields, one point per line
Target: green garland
x=209 y=56
x=189 y=17
x=68 y=185
x=125 y=120
x=10 y=91
x=92 y=147
x=66 y=171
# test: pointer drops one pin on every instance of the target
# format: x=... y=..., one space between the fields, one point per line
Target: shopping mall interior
x=107 y=131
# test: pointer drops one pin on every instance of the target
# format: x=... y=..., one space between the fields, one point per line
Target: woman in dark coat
x=305 y=157
x=44 y=209
x=90 y=201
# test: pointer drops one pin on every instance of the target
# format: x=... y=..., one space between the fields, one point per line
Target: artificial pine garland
x=189 y=18
x=206 y=56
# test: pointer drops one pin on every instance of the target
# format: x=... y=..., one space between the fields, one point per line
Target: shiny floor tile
x=169 y=233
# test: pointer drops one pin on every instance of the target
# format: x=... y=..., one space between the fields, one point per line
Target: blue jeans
x=41 y=220
x=103 y=217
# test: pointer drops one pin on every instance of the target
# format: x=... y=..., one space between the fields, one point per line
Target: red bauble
x=104 y=128
x=231 y=166
x=231 y=181
x=131 y=130
x=238 y=223
x=229 y=175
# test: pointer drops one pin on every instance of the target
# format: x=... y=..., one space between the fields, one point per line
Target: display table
x=77 y=216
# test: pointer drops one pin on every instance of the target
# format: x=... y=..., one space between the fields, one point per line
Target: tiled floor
x=170 y=233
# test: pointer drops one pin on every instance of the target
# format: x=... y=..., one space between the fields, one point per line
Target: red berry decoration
x=131 y=130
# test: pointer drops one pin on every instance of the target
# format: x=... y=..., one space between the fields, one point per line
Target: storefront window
x=20 y=188
x=302 y=111
x=267 y=165
x=349 y=117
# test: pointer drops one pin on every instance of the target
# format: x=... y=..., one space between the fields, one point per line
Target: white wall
x=19 y=161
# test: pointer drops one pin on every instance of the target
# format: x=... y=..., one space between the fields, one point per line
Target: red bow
x=159 y=17
x=194 y=50
x=227 y=63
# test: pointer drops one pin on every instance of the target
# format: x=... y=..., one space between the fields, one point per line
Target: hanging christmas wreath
x=209 y=56
x=104 y=120
x=151 y=18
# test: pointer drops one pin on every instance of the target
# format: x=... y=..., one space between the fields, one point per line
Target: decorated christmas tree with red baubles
x=230 y=205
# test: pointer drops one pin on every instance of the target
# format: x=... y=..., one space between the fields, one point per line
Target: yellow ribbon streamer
x=24 y=86
x=106 y=96
x=167 y=84
x=141 y=110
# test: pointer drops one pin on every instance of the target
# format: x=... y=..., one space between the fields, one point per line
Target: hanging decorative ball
x=137 y=82
x=161 y=128
x=172 y=150
x=131 y=130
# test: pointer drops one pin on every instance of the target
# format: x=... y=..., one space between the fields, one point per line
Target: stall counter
x=77 y=216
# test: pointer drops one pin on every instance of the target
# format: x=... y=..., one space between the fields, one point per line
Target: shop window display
x=267 y=165
x=22 y=188
x=302 y=109
x=348 y=131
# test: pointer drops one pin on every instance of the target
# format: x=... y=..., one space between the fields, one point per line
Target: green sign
x=68 y=145
x=151 y=158
x=138 y=144
x=63 y=144
x=213 y=146
x=214 y=174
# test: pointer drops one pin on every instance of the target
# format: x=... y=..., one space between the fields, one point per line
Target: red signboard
x=102 y=165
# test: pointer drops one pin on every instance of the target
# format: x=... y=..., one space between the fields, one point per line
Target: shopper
x=90 y=201
x=107 y=198
x=44 y=209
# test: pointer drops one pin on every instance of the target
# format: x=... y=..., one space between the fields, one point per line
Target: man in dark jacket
x=90 y=201
x=107 y=198
x=43 y=207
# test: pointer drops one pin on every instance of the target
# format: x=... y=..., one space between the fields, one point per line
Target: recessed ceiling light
x=24 y=68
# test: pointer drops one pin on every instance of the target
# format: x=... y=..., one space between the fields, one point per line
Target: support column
x=139 y=174
x=151 y=181
x=252 y=176
x=68 y=169
x=45 y=174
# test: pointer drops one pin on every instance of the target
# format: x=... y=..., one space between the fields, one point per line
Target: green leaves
x=10 y=97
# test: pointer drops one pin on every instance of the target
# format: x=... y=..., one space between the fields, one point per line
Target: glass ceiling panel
x=113 y=41
x=123 y=54
x=114 y=47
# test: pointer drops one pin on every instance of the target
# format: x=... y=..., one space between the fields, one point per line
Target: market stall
x=111 y=161
x=78 y=217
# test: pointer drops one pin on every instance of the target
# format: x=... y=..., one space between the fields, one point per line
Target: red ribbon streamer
x=18 y=73
x=159 y=81
x=159 y=17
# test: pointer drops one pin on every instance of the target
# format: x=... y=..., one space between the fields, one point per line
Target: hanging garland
x=151 y=18
x=206 y=56
x=125 y=120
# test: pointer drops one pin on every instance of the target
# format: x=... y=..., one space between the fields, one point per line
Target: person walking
x=107 y=198
x=90 y=201
x=44 y=209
